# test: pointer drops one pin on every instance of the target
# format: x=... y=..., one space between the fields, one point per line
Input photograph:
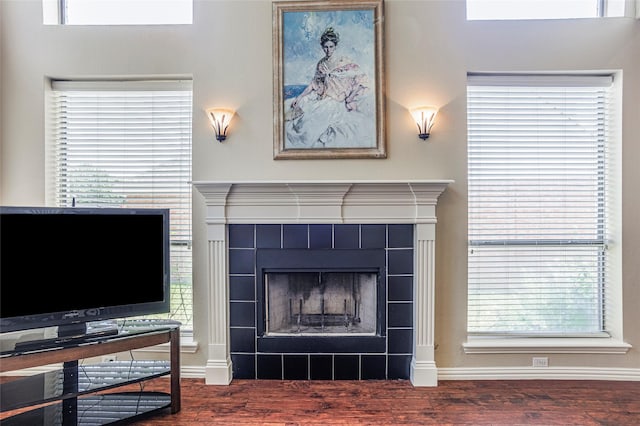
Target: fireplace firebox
x=320 y=298
x=320 y=303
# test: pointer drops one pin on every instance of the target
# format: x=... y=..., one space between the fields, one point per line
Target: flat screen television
x=66 y=267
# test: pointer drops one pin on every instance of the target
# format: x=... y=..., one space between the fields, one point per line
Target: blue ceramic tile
x=242 y=288
x=241 y=236
x=321 y=367
x=374 y=367
x=244 y=366
x=295 y=236
x=401 y=236
x=399 y=367
x=400 y=261
x=346 y=367
x=371 y=364
x=296 y=367
x=243 y=340
x=400 y=341
x=374 y=236
x=401 y=288
x=400 y=315
x=346 y=236
x=268 y=236
x=242 y=314
x=320 y=236
x=269 y=367
x=242 y=261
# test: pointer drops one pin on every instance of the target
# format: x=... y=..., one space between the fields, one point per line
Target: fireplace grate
x=322 y=319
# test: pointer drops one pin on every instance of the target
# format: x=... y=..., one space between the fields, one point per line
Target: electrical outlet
x=540 y=361
x=109 y=358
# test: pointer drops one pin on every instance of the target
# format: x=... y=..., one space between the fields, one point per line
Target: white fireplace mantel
x=283 y=202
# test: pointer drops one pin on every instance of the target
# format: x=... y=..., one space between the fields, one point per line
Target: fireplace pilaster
x=423 y=366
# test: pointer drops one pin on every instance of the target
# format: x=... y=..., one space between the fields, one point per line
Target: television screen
x=61 y=266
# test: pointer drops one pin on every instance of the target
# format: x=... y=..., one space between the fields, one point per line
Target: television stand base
x=81 y=388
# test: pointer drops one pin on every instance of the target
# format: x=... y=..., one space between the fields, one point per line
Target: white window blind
x=537 y=204
x=128 y=144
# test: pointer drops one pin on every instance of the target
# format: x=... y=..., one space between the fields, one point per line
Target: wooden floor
x=262 y=402
x=251 y=402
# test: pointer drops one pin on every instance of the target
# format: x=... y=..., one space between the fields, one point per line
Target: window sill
x=187 y=346
x=557 y=345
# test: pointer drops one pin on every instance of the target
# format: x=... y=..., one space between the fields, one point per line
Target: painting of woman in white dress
x=329 y=92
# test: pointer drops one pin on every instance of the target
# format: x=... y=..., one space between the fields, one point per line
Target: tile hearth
x=385 y=356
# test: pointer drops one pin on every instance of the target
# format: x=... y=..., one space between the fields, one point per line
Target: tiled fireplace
x=321 y=280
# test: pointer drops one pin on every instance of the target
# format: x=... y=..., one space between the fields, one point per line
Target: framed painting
x=328 y=79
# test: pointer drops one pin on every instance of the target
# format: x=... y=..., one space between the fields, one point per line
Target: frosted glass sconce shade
x=424 y=117
x=220 y=119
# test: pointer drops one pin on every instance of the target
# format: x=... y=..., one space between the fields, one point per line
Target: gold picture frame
x=328 y=79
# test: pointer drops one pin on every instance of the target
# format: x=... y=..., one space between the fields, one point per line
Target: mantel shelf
x=333 y=201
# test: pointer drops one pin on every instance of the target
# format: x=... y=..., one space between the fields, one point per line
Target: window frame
x=55 y=12
x=134 y=86
x=608 y=342
x=602 y=9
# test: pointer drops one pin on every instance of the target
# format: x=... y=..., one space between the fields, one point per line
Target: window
x=538 y=205
x=128 y=144
x=117 y=12
x=543 y=9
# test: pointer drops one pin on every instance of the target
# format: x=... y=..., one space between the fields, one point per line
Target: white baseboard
x=506 y=373
x=503 y=373
x=192 y=372
x=539 y=373
x=482 y=373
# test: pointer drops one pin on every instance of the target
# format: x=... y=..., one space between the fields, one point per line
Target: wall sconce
x=424 y=117
x=220 y=119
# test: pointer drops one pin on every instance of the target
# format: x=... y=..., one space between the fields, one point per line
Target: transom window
x=543 y=9
x=538 y=204
x=117 y=12
x=127 y=144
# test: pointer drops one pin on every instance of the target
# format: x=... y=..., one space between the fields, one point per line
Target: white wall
x=429 y=48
